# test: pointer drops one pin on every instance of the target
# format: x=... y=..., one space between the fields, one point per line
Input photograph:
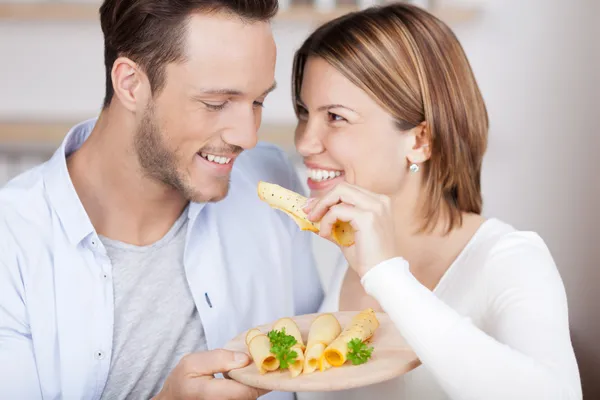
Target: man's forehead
x=220 y=34
x=223 y=53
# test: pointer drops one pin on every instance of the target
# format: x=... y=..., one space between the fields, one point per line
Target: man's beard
x=156 y=160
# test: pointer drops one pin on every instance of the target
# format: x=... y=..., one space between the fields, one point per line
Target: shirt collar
x=61 y=192
x=62 y=195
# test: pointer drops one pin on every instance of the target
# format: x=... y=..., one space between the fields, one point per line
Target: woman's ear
x=421 y=149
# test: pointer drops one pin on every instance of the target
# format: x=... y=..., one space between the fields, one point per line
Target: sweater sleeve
x=526 y=352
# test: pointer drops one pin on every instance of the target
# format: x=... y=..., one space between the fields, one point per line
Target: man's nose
x=244 y=131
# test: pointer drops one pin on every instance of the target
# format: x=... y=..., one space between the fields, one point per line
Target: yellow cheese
x=291 y=328
x=292 y=204
x=296 y=367
x=251 y=334
x=260 y=351
x=323 y=330
x=362 y=327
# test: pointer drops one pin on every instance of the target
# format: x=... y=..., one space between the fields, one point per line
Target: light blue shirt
x=246 y=264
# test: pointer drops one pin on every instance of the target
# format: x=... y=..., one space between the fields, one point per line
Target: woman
x=392 y=128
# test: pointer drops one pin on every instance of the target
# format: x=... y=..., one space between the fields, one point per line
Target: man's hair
x=152 y=32
x=412 y=64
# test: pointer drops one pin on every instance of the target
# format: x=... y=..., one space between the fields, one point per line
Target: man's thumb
x=214 y=361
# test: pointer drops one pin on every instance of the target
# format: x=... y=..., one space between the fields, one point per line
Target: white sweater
x=495 y=327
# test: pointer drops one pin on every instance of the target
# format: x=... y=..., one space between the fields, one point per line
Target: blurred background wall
x=538 y=65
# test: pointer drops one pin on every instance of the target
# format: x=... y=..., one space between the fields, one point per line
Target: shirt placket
x=104 y=320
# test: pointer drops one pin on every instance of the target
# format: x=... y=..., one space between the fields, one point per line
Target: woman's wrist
x=381 y=271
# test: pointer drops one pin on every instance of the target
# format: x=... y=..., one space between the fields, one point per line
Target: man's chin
x=213 y=195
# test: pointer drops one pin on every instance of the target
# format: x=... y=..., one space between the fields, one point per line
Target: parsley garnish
x=358 y=352
x=281 y=347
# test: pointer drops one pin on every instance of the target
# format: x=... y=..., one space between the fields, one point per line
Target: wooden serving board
x=391 y=358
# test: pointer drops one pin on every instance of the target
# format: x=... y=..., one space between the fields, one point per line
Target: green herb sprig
x=281 y=347
x=358 y=352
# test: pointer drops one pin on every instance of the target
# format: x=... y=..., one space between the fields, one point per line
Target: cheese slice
x=260 y=351
x=292 y=204
x=323 y=330
x=362 y=327
x=291 y=328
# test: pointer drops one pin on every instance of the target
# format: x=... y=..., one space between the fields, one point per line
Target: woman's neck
x=430 y=253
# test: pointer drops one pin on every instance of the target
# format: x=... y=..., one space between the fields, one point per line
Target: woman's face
x=344 y=135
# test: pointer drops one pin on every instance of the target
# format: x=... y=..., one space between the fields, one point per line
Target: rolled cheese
x=296 y=367
x=362 y=327
x=260 y=351
x=291 y=328
x=323 y=330
x=251 y=334
x=292 y=203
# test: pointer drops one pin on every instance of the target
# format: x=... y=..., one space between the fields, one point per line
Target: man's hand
x=193 y=378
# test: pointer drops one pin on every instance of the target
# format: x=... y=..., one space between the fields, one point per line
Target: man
x=142 y=240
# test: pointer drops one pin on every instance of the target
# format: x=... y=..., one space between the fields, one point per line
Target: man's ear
x=127 y=83
x=421 y=149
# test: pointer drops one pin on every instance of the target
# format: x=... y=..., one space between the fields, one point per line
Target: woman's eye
x=334 y=117
x=215 y=106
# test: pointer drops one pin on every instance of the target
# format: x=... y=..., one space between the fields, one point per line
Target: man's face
x=210 y=107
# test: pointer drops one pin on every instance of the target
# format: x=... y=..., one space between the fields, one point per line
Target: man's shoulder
x=24 y=210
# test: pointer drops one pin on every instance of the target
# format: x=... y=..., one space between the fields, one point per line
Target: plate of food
x=323 y=352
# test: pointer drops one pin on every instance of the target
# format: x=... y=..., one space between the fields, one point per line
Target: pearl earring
x=414 y=168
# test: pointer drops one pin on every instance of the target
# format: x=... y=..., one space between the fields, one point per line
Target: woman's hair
x=413 y=66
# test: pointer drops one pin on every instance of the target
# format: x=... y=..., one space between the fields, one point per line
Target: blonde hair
x=412 y=64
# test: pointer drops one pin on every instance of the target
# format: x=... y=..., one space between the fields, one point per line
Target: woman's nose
x=308 y=140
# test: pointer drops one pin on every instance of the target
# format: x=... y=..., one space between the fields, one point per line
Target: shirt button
x=99 y=355
x=94 y=243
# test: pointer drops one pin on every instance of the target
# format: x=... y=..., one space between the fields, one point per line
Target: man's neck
x=121 y=202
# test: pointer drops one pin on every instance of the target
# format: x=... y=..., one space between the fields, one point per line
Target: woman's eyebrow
x=330 y=106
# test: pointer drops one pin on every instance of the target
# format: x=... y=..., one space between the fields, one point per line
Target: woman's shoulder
x=498 y=239
x=512 y=256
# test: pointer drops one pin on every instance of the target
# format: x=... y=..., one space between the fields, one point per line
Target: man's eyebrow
x=223 y=91
x=269 y=90
x=229 y=92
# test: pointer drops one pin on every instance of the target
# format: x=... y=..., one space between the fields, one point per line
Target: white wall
x=535 y=66
x=534 y=60
x=55 y=71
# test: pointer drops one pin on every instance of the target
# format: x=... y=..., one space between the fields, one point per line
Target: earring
x=414 y=168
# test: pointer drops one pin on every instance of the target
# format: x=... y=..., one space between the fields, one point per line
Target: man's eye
x=215 y=106
x=259 y=104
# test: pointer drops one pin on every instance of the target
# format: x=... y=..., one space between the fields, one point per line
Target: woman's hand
x=369 y=214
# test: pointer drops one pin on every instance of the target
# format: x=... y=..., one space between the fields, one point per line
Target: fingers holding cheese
x=292 y=203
